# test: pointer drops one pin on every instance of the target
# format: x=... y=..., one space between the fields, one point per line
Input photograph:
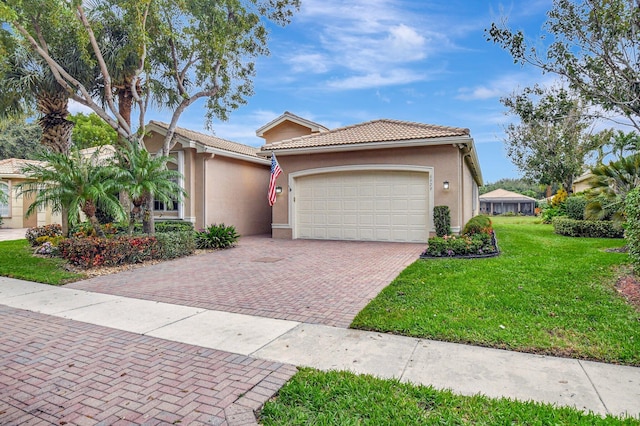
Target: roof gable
x=383 y=130
x=209 y=143
x=287 y=116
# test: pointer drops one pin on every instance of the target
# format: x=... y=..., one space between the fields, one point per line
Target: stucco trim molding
x=280 y=226
x=356 y=168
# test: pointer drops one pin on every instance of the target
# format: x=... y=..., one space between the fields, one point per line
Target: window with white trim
x=4 y=199
x=172 y=205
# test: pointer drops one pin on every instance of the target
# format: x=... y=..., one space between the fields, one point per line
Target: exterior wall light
x=445 y=185
x=278 y=190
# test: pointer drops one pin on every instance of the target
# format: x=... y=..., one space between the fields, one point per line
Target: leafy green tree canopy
x=176 y=51
x=550 y=143
x=19 y=139
x=90 y=130
x=595 y=46
x=520 y=186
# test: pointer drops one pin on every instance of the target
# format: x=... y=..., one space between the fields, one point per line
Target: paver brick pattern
x=322 y=282
x=57 y=371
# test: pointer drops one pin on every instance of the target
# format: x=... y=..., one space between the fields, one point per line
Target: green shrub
x=575 y=206
x=216 y=237
x=480 y=224
x=442 y=220
x=89 y=252
x=173 y=226
x=175 y=244
x=632 y=206
x=465 y=245
x=548 y=213
x=587 y=228
x=33 y=234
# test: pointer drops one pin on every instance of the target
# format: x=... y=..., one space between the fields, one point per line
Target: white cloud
x=352 y=39
x=76 y=107
x=393 y=77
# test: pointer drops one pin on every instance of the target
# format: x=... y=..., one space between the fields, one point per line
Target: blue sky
x=344 y=62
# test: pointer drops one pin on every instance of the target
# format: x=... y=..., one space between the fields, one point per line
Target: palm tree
x=74 y=182
x=610 y=185
x=144 y=178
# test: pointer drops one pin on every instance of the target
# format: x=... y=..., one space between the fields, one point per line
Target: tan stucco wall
x=18 y=205
x=581 y=186
x=237 y=195
x=285 y=130
x=222 y=190
x=444 y=159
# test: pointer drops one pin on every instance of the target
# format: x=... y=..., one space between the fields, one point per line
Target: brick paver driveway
x=325 y=282
x=55 y=372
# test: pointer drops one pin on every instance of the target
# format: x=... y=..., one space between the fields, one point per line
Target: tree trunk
x=65 y=221
x=148 y=224
x=89 y=209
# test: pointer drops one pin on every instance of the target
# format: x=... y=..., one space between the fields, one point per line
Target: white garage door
x=363 y=205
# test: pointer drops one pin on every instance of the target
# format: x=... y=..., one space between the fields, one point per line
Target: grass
x=312 y=397
x=17 y=261
x=544 y=294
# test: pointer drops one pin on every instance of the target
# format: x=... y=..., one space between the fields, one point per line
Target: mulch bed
x=629 y=286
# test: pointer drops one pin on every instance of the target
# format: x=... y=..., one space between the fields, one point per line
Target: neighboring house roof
x=208 y=143
x=12 y=167
x=502 y=195
x=383 y=130
x=583 y=177
x=287 y=116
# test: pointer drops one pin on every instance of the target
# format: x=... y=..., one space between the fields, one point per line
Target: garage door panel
x=363 y=205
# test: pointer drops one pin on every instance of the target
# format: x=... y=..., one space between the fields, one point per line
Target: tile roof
x=287 y=116
x=383 y=130
x=212 y=141
x=13 y=166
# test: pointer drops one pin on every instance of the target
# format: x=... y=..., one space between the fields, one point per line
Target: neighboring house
x=13 y=211
x=581 y=183
x=376 y=181
x=501 y=201
x=226 y=182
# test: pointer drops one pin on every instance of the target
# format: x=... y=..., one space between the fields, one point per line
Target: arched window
x=5 y=198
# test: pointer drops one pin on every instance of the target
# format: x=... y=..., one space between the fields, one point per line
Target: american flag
x=275 y=172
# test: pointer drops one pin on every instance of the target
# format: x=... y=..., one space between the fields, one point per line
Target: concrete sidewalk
x=601 y=388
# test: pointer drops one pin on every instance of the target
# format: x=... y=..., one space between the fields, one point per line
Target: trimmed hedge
x=176 y=244
x=173 y=226
x=442 y=220
x=587 y=228
x=632 y=207
x=575 y=206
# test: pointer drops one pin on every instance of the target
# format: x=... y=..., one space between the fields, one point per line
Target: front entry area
x=363 y=205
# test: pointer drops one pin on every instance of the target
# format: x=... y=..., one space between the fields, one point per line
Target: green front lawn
x=544 y=294
x=17 y=261
x=340 y=398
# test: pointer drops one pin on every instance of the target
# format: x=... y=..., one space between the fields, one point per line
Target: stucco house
x=581 y=183
x=501 y=201
x=377 y=180
x=14 y=209
x=226 y=182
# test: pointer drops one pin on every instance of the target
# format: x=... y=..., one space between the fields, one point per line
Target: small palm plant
x=610 y=185
x=145 y=177
x=76 y=182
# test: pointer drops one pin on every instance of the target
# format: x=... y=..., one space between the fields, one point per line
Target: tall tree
x=550 y=143
x=184 y=50
x=595 y=46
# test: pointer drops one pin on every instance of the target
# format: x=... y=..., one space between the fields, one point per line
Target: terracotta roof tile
x=384 y=130
x=13 y=166
x=212 y=141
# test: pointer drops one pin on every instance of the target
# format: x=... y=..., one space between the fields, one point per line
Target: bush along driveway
x=546 y=294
